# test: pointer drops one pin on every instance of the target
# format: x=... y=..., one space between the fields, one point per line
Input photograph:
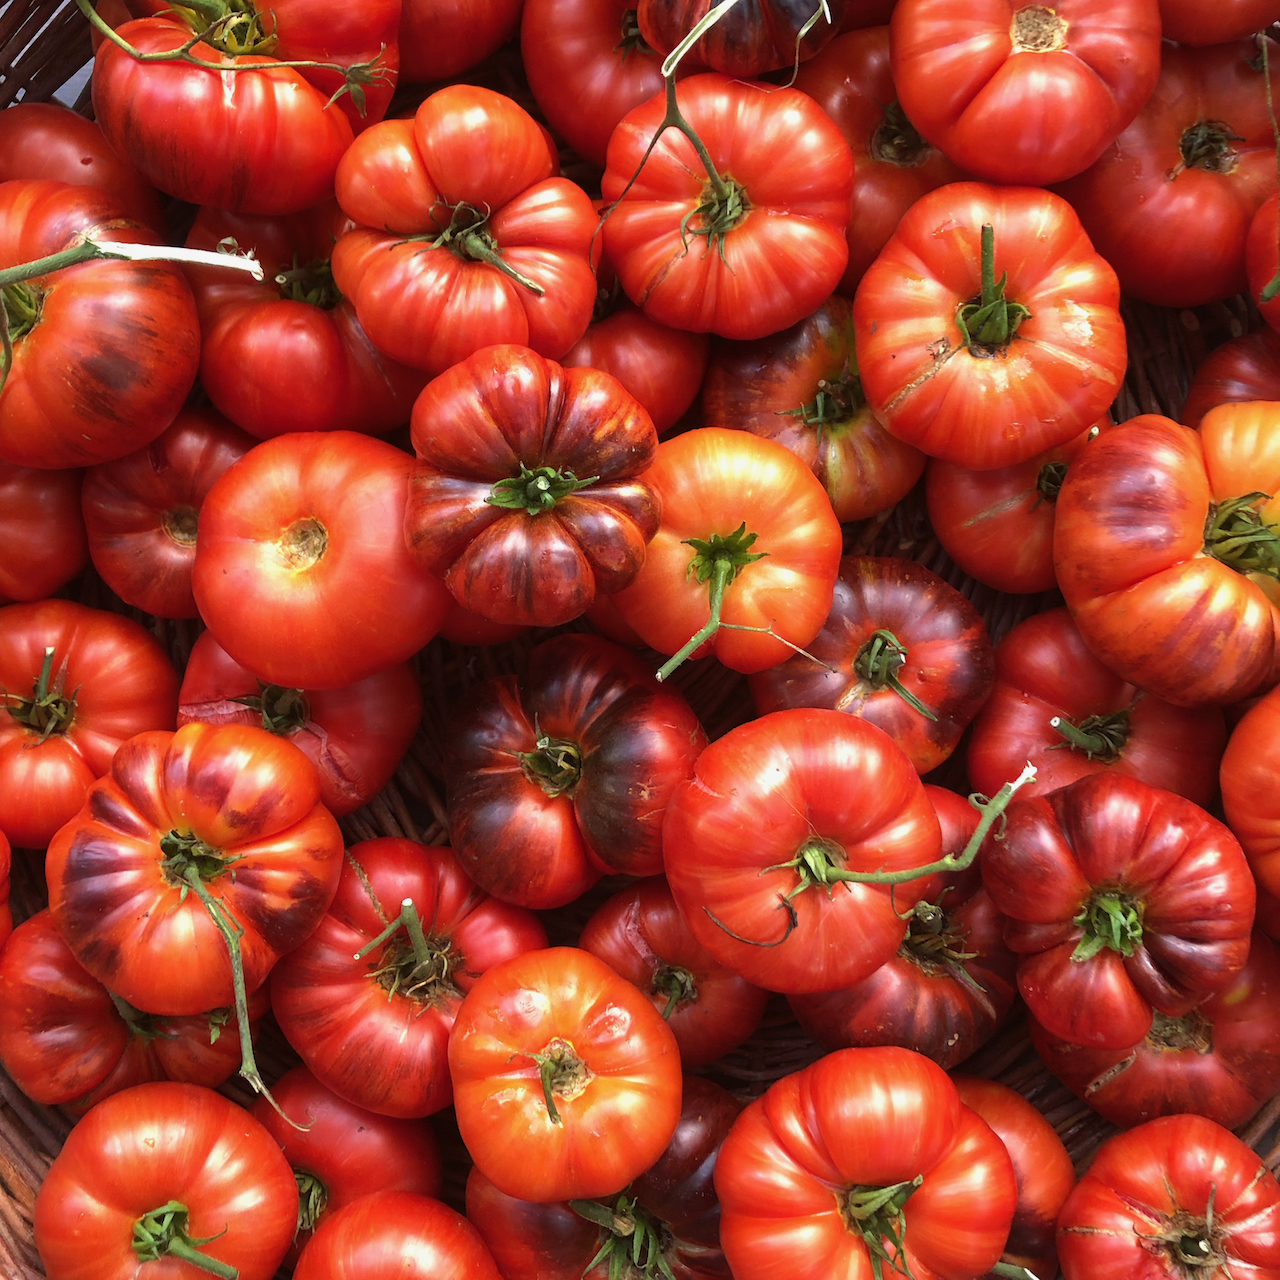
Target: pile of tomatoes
x=405 y=378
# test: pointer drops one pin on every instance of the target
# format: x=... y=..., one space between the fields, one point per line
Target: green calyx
x=234 y=27
x=875 y=1213
x=467 y=236
x=878 y=662
x=1112 y=921
x=411 y=964
x=537 y=490
x=631 y=40
x=1234 y=534
x=283 y=711
x=312 y=283
x=555 y=765
x=21 y=304
x=723 y=206
x=564 y=1075
x=677 y=984
x=313 y=1199
x=989 y=323
x=897 y=141
x=633 y=1243
x=1099 y=737
x=835 y=403
x=1207 y=145
x=49 y=709
x=162 y=1233
x=186 y=853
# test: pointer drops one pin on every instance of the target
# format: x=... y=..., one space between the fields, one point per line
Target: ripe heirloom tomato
x=1244 y=368
x=1058 y=707
x=75 y=683
x=370 y=998
x=756 y=842
x=1024 y=93
x=1192 y=22
x=641 y=934
x=747 y=530
x=42 y=537
x=226 y=811
x=440 y=38
x=987 y=348
x=355 y=736
x=1165 y=552
x=801 y=388
x=1250 y=797
x=1175 y=1194
x=302 y=572
x=287 y=353
x=159 y=1164
x=1122 y=900
x=464 y=238
x=900 y=649
x=867 y=1154
x=142 y=511
x=69 y=1042
x=527 y=497
x=565 y=775
x=772 y=226
x=550 y=1050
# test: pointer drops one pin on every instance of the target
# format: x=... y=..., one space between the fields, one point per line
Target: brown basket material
x=42 y=44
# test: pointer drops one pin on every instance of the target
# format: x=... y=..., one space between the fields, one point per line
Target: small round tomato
x=42 y=536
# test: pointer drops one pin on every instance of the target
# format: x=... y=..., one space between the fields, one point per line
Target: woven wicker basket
x=43 y=44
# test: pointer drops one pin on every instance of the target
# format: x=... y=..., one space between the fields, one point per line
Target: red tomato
x=302 y=572
x=440 y=38
x=142 y=511
x=1244 y=368
x=391 y=1234
x=1192 y=22
x=1122 y=900
x=813 y=1178
x=1249 y=795
x=227 y=808
x=641 y=934
x=163 y=1163
x=1002 y=392
x=1040 y=1163
x=42 y=537
x=1056 y=705
x=549 y=1051
x=772 y=232
x=78 y=683
x=1024 y=93
x=464 y=237
x=1166 y=1196
x=340 y=1152
x=755 y=843
x=373 y=1027
x=69 y=1042
x=744 y=516
x=1170 y=202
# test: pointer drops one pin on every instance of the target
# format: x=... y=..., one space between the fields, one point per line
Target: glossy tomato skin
x=1113 y=844
x=292 y=357
x=565 y=775
x=141 y=511
x=146 y=110
x=243 y=794
x=984 y=407
x=1130 y=553
x=1023 y=94
x=640 y=933
x=1243 y=368
x=41 y=531
x=378 y=1236
x=355 y=736
x=787 y=252
x=677 y=1197
x=373 y=1030
x=852 y=81
x=1222 y=1060
x=1169 y=210
x=565 y=1002
x=440 y=38
x=475 y=161
x=1151 y=1187
x=1188 y=22
x=925 y=997
x=113 y=347
x=801 y=388
x=759 y=796
x=348 y=1151
x=1044 y=671
x=302 y=572
x=510 y=552
x=1249 y=792
x=138 y=1150
x=711 y=481
x=1040 y=1163
x=998 y=525
x=111 y=678
x=862 y=1119
x=65 y=1043
x=948 y=662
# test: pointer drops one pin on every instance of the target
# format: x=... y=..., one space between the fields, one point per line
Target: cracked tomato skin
x=987 y=407
x=1162 y=1179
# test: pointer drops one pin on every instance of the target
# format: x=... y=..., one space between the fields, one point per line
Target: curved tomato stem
x=162 y=1232
x=677 y=983
x=1012 y=1271
x=89 y=250
x=878 y=663
x=633 y=1243
x=562 y=1072
x=422 y=972
x=1099 y=737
